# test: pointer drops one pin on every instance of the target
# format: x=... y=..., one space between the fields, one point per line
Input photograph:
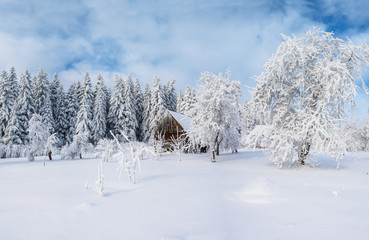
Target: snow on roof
x=183 y=120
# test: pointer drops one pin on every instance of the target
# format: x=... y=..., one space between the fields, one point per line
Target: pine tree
x=179 y=102
x=116 y=116
x=189 y=98
x=171 y=96
x=71 y=111
x=59 y=109
x=25 y=105
x=139 y=109
x=145 y=133
x=129 y=123
x=85 y=116
x=99 y=111
x=12 y=133
x=157 y=107
x=8 y=95
x=41 y=93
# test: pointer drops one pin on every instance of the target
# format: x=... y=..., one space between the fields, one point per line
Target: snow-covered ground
x=242 y=196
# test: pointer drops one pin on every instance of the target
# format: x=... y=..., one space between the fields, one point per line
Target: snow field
x=242 y=196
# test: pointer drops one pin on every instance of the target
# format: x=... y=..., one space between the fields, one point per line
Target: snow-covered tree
x=189 y=99
x=215 y=120
x=145 y=134
x=246 y=117
x=12 y=132
x=72 y=107
x=8 y=96
x=59 y=109
x=179 y=102
x=171 y=98
x=304 y=93
x=41 y=94
x=100 y=114
x=85 y=116
x=157 y=107
x=38 y=137
x=116 y=115
x=129 y=123
x=139 y=109
x=25 y=105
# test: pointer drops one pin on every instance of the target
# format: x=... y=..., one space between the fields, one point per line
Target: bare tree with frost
x=215 y=116
x=304 y=93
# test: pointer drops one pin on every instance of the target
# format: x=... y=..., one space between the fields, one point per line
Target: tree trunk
x=80 y=155
x=212 y=156
x=304 y=153
x=217 y=149
x=49 y=154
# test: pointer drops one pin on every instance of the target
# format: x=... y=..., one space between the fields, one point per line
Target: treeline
x=82 y=110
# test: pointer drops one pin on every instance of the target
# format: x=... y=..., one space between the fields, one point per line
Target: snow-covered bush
x=179 y=144
x=307 y=88
x=105 y=149
x=215 y=116
x=129 y=156
x=356 y=137
x=79 y=146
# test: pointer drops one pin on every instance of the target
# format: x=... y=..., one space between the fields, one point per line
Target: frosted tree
x=8 y=95
x=12 y=132
x=129 y=122
x=72 y=107
x=246 y=117
x=139 y=109
x=179 y=102
x=41 y=94
x=215 y=121
x=100 y=114
x=25 y=105
x=84 y=116
x=59 y=109
x=157 y=107
x=39 y=137
x=116 y=115
x=304 y=93
x=171 y=96
x=189 y=99
x=145 y=133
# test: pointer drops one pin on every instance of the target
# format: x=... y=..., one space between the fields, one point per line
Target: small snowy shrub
x=2 y=150
x=105 y=149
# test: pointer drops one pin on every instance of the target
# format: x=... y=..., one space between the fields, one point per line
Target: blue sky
x=168 y=38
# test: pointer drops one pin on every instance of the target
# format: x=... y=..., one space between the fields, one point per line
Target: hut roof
x=183 y=120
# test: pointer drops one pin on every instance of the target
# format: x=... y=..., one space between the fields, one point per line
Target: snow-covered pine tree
x=85 y=116
x=189 y=99
x=171 y=96
x=246 y=117
x=71 y=111
x=129 y=123
x=179 y=101
x=8 y=96
x=304 y=93
x=13 y=83
x=145 y=133
x=157 y=106
x=41 y=94
x=139 y=109
x=215 y=121
x=99 y=114
x=25 y=105
x=59 y=110
x=12 y=132
x=80 y=91
x=116 y=116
